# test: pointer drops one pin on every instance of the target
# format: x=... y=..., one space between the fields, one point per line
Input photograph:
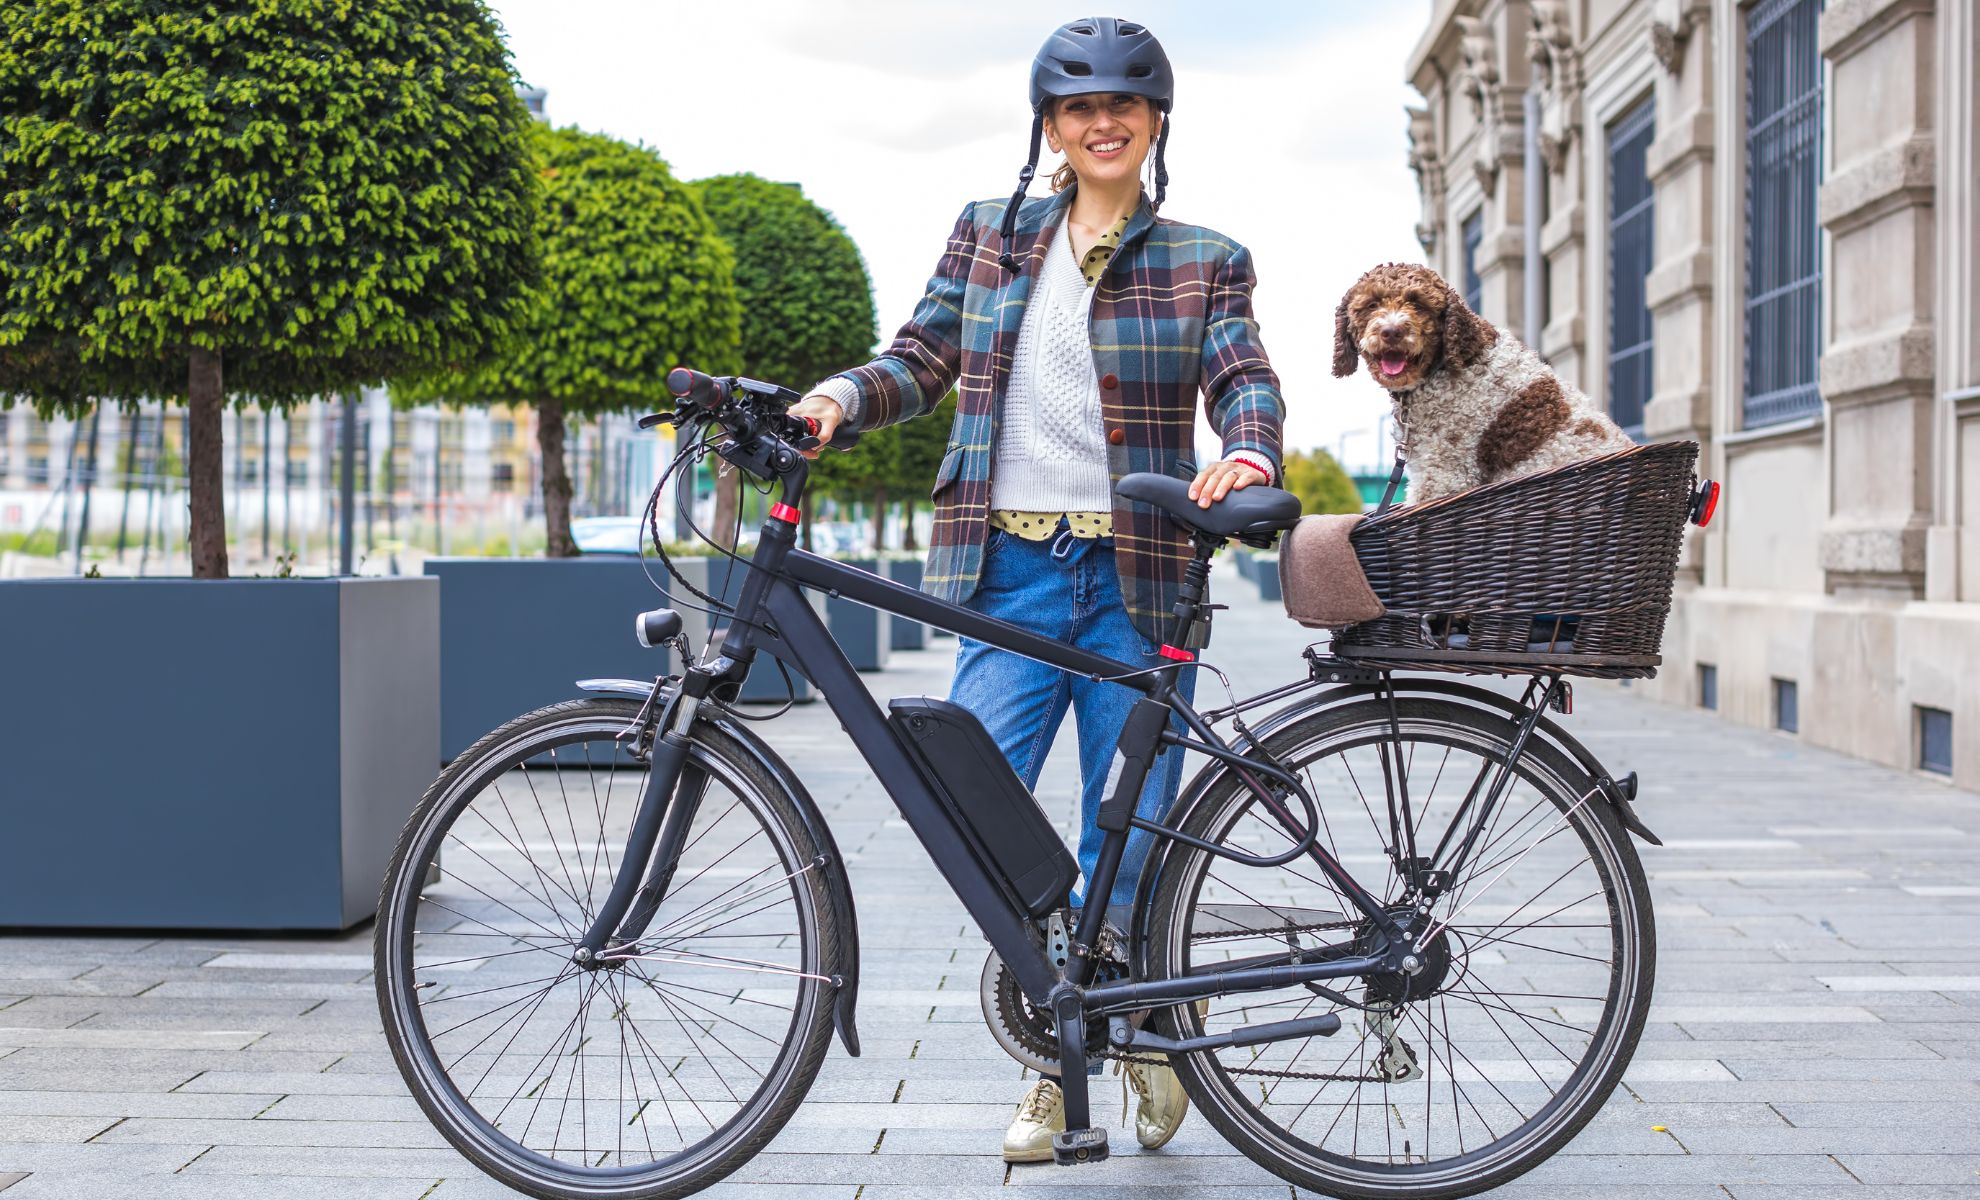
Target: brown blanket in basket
x=1320 y=577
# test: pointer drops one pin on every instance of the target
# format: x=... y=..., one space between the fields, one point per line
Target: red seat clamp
x=1178 y=655
x=784 y=512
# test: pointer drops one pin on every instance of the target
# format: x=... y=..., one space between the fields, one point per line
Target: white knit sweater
x=1051 y=442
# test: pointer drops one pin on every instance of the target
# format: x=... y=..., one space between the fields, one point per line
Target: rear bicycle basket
x=1568 y=569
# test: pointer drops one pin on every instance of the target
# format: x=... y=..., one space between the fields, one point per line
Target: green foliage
x=635 y=282
x=322 y=192
x=1320 y=483
x=807 y=303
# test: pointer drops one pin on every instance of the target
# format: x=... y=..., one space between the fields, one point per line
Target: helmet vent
x=1086 y=30
x=1140 y=71
x=1129 y=29
x=1074 y=67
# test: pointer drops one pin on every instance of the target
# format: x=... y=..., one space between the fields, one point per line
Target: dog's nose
x=1391 y=333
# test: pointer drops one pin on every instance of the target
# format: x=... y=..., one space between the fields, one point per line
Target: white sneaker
x=1040 y=1114
x=1163 y=1105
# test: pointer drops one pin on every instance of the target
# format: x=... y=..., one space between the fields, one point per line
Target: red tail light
x=1705 y=502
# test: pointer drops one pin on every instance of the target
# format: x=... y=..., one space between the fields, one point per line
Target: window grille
x=1474 y=233
x=1632 y=216
x=1783 y=241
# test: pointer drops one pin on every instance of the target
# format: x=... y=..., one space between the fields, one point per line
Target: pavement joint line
x=10 y=1178
x=264 y=1111
x=183 y=1083
x=1845 y=1170
x=195 y=1158
x=106 y=1129
x=429 y=1191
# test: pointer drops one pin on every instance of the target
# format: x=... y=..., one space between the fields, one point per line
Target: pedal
x=1076 y=1146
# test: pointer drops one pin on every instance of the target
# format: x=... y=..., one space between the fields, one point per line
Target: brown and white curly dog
x=1474 y=405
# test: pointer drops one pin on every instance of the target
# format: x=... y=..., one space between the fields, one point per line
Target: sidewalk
x=1816 y=1034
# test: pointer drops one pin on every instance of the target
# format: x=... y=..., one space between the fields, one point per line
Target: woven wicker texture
x=1568 y=570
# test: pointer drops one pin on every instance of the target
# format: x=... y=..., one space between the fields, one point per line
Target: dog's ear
x=1346 y=353
x=1467 y=336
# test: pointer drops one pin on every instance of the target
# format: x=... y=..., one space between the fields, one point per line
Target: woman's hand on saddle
x=825 y=411
x=1220 y=479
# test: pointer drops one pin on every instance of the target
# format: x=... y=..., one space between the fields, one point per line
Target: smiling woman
x=1080 y=329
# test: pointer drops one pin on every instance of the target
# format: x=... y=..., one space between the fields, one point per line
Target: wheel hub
x=1433 y=961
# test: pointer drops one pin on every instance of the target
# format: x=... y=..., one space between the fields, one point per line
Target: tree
x=273 y=200
x=807 y=302
x=635 y=282
x=1320 y=483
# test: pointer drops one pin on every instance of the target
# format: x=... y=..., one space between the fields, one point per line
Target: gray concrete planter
x=908 y=635
x=865 y=634
x=1265 y=573
x=186 y=754
x=516 y=633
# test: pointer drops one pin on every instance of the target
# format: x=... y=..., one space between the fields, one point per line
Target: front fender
x=846 y=965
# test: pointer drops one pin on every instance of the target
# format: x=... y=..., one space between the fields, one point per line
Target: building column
x=1492 y=74
x=1554 y=51
x=1876 y=202
x=1952 y=548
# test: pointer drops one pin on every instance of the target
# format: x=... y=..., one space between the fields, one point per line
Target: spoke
x=513 y=1000
x=551 y=833
x=500 y=987
x=1470 y=997
x=659 y=986
x=520 y=846
x=455 y=962
x=547 y=931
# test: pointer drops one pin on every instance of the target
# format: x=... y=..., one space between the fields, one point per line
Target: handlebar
x=765 y=439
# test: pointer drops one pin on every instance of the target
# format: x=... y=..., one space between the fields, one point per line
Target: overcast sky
x=1289 y=133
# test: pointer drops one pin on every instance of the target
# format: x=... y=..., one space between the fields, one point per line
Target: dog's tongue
x=1394 y=364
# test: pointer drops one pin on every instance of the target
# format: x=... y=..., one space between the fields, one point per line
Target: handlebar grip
x=694 y=388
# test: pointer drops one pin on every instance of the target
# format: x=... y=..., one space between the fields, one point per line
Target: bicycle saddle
x=1249 y=512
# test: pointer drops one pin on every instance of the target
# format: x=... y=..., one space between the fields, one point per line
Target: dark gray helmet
x=1101 y=54
x=1094 y=54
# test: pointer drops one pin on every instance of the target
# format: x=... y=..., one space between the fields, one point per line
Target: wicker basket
x=1568 y=570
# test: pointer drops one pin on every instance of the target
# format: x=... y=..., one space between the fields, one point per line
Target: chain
x=1324 y=1076
x=1275 y=931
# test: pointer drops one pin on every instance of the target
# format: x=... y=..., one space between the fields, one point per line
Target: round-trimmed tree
x=274 y=200
x=1320 y=483
x=636 y=281
x=807 y=303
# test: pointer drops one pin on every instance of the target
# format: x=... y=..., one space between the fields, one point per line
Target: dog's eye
x=1413 y=298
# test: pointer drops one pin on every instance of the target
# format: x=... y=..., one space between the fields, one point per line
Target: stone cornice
x=1879 y=367
x=1688 y=140
x=1891 y=178
x=1847 y=26
x=1563 y=228
x=1678 y=278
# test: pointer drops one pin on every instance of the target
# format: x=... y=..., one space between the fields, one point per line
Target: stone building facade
x=1756 y=224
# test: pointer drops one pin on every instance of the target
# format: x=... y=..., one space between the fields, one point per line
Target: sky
x=1288 y=133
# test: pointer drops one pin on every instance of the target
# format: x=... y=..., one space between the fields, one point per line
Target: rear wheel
x=651 y=1078
x=1533 y=986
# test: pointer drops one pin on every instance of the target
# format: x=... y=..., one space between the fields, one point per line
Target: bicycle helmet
x=1094 y=54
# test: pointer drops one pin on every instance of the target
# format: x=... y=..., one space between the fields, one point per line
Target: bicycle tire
x=1218 y=1087
x=404 y=910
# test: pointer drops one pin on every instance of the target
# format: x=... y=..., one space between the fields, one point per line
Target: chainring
x=1025 y=1032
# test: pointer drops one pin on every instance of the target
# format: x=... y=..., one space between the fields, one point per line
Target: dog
x=1473 y=405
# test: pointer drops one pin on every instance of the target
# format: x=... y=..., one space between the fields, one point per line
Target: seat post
x=1189 y=601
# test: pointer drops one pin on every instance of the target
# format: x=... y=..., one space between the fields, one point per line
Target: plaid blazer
x=1171 y=319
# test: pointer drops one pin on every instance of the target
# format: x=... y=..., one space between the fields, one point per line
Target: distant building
x=533 y=99
x=1756 y=225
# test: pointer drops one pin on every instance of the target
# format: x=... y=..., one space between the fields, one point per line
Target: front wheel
x=1532 y=989
x=650 y=1078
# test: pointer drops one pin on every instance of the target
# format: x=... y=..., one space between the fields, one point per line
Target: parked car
x=607 y=535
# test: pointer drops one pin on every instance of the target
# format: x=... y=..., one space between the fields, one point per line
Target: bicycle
x=1394 y=937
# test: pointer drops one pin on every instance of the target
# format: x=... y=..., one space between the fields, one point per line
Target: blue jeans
x=1065 y=588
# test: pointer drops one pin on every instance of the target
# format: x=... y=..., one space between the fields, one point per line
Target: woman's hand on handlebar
x=825 y=411
x=1220 y=479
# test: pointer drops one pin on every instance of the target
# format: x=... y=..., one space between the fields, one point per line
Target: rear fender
x=845 y=969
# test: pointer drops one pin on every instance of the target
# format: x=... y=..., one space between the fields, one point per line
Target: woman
x=1081 y=329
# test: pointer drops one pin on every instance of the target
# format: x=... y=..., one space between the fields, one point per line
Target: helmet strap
x=1008 y=260
x=1161 y=167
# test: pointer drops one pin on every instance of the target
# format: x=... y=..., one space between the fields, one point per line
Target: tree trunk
x=907 y=526
x=728 y=500
x=556 y=480
x=206 y=399
x=879 y=519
